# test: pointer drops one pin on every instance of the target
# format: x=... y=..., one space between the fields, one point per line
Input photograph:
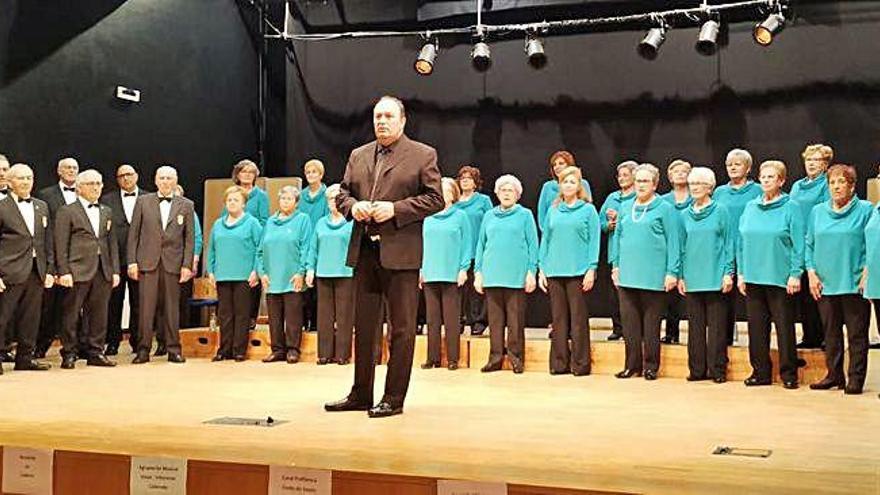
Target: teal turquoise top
x=735 y=199
x=708 y=247
x=808 y=193
x=872 y=254
x=315 y=207
x=447 y=246
x=284 y=250
x=475 y=207
x=835 y=246
x=199 y=237
x=570 y=245
x=329 y=248
x=232 y=250
x=507 y=247
x=647 y=245
x=771 y=242
x=670 y=196
x=620 y=203
x=549 y=193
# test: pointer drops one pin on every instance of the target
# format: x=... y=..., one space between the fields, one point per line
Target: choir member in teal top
x=677 y=173
x=614 y=206
x=769 y=263
x=446 y=259
x=335 y=285
x=245 y=174
x=568 y=259
x=550 y=190
x=282 y=261
x=706 y=276
x=232 y=269
x=645 y=267
x=809 y=192
x=835 y=260
x=505 y=268
x=313 y=202
x=475 y=204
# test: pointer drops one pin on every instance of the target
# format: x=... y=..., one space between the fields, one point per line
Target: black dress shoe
x=219 y=357
x=99 y=360
x=68 y=362
x=430 y=364
x=627 y=373
x=517 y=365
x=614 y=336
x=31 y=365
x=239 y=358
x=827 y=383
x=559 y=372
x=343 y=362
x=320 y=362
x=720 y=379
x=853 y=389
x=478 y=329
x=346 y=404
x=174 y=357
x=669 y=339
x=6 y=357
x=580 y=372
x=275 y=357
x=383 y=410
x=754 y=381
x=112 y=350
x=452 y=366
x=490 y=367
x=650 y=375
x=874 y=346
x=141 y=358
x=790 y=385
x=292 y=357
x=696 y=378
x=161 y=350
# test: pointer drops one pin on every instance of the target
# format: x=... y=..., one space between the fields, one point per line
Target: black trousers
x=675 y=312
x=91 y=300
x=114 y=318
x=443 y=307
x=234 y=310
x=310 y=308
x=640 y=313
x=285 y=321
x=768 y=303
x=401 y=289
x=335 y=317
x=159 y=291
x=473 y=304
x=50 y=318
x=855 y=312
x=808 y=314
x=507 y=309
x=733 y=301
x=616 y=325
x=20 y=306
x=707 y=334
x=571 y=322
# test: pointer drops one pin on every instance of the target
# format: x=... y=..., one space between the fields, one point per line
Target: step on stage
x=541 y=434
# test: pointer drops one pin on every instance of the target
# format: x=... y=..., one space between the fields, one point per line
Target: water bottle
x=212 y=323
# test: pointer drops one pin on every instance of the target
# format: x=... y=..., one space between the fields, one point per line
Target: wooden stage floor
x=596 y=432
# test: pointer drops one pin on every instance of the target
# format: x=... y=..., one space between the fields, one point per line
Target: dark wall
x=818 y=82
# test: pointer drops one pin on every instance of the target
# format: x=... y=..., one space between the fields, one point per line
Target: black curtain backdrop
x=818 y=82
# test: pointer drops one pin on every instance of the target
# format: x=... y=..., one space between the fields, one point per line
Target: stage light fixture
x=650 y=44
x=424 y=64
x=535 y=51
x=768 y=29
x=707 y=43
x=481 y=56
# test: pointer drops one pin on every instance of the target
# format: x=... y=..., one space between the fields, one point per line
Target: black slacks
x=50 y=318
x=707 y=334
x=675 y=312
x=89 y=299
x=768 y=303
x=159 y=291
x=234 y=310
x=733 y=302
x=616 y=324
x=808 y=315
x=285 y=321
x=507 y=309
x=640 y=313
x=335 y=318
x=571 y=322
x=310 y=309
x=20 y=306
x=853 y=311
x=401 y=289
x=443 y=307
x=114 y=314
x=473 y=304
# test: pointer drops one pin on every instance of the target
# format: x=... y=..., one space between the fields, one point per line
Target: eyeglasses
x=125 y=174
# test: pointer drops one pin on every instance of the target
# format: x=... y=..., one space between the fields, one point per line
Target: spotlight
x=707 y=43
x=481 y=56
x=767 y=30
x=424 y=64
x=535 y=51
x=651 y=43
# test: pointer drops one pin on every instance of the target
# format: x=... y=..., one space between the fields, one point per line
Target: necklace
x=633 y=212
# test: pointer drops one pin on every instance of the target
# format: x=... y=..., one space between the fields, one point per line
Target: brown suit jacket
x=411 y=180
x=17 y=245
x=77 y=249
x=148 y=242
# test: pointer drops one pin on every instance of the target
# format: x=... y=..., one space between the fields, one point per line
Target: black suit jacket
x=17 y=245
x=53 y=197
x=77 y=249
x=148 y=242
x=113 y=200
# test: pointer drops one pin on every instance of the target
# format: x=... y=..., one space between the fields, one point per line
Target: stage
x=594 y=433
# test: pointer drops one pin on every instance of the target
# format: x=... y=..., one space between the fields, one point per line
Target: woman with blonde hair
x=550 y=190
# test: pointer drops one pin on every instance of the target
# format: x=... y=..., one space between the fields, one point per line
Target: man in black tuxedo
x=87 y=259
x=6 y=353
x=26 y=264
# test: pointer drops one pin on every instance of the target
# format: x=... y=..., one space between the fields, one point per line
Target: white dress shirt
x=128 y=203
x=27 y=212
x=94 y=214
x=164 y=211
x=69 y=196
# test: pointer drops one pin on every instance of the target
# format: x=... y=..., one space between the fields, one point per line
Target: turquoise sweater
x=447 y=247
x=232 y=250
x=872 y=254
x=507 y=247
x=549 y=193
x=570 y=245
x=708 y=247
x=647 y=245
x=315 y=207
x=735 y=199
x=329 y=248
x=670 y=197
x=199 y=237
x=835 y=245
x=808 y=193
x=771 y=242
x=284 y=250
x=620 y=203
x=475 y=207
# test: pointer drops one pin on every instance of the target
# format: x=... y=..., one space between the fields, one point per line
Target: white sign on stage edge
x=286 y=480
x=157 y=475
x=27 y=470
x=459 y=487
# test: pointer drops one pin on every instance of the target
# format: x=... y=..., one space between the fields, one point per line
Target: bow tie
x=68 y=189
x=24 y=200
x=129 y=195
x=384 y=150
x=93 y=205
x=165 y=199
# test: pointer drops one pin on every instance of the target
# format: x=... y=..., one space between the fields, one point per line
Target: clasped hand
x=377 y=211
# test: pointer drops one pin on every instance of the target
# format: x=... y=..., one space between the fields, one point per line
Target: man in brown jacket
x=390 y=186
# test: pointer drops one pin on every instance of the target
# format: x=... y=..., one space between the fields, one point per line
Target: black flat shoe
x=790 y=385
x=614 y=336
x=160 y=351
x=320 y=362
x=490 y=367
x=274 y=357
x=346 y=404
x=754 y=381
x=343 y=362
x=141 y=358
x=669 y=339
x=517 y=365
x=720 y=379
x=580 y=372
x=452 y=366
x=695 y=378
x=430 y=364
x=175 y=357
x=6 y=357
x=478 y=330
x=827 y=383
x=239 y=358
x=68 y=362
x=31 y=365
x=852 y=389
x=650 y=375
x=100 y=360
x=219 y=357
x=627 y=373
x=292 y=357
x=559 y=372
x=383 y=410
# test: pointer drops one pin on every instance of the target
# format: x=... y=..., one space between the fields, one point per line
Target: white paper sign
x=158 y=475
x=458 y=487
x=27 y=471
x=286 y=480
